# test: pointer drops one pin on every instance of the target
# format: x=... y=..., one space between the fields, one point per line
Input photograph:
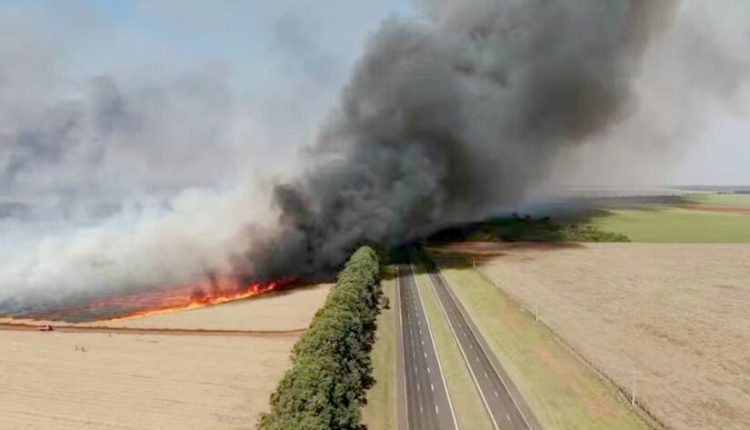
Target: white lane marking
x=428 y=369
x=508 y=417
x=403 y=307
x=432 y=387
x=437 y=358
x=478 y=334
x=497 y=394
x=418 y=387
x=486 y=376
x=437 y=410
x=466 y=359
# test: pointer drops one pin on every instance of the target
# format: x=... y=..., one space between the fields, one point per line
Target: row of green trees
x=331 y=365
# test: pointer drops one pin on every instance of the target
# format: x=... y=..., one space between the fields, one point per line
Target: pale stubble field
x=154 y=381
x=676 y=315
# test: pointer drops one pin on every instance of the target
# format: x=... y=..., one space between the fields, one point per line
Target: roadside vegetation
x=331 y=365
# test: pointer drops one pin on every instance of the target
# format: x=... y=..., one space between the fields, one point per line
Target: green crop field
x=676 y=225
x=741 y=201
x=563 y=392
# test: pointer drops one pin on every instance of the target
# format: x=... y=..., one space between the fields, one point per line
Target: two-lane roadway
x=427 y=402
x=501 y=400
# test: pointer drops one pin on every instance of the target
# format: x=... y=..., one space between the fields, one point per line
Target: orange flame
x=212 y=292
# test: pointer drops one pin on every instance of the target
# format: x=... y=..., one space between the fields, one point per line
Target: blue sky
x=262 y=46
x=108 y=34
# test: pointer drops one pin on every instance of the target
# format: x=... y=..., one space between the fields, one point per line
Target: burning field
x=188 y=364
x=213 y=292
x=127 y=174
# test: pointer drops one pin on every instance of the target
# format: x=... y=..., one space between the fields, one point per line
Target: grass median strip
x=380 y=411
x=468 y=406
x=563 y=392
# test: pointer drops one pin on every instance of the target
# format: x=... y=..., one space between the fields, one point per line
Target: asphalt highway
x=428 y=405
x=501 y=399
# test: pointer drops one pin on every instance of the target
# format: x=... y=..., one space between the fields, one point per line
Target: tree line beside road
x=331 y=364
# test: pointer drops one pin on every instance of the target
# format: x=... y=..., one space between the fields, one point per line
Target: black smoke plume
x=447 y=119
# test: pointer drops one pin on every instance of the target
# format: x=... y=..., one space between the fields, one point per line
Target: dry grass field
x=154 y=380
x=676 y=314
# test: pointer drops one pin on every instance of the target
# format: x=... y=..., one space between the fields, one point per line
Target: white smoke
x=123 y=182
x=122 y=177
x=696 y=73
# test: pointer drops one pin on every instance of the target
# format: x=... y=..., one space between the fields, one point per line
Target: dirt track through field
x=146 y=331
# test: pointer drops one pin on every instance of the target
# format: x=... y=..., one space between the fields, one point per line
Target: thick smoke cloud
x=694 y=75
x=448 y=117
x=122 y=178
x=447 y=120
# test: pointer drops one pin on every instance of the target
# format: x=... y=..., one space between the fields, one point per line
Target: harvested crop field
x=136 y=381
x=171 y=371
x=676 y=314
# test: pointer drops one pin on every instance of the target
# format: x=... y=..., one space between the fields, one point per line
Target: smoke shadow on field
x=562 y=224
